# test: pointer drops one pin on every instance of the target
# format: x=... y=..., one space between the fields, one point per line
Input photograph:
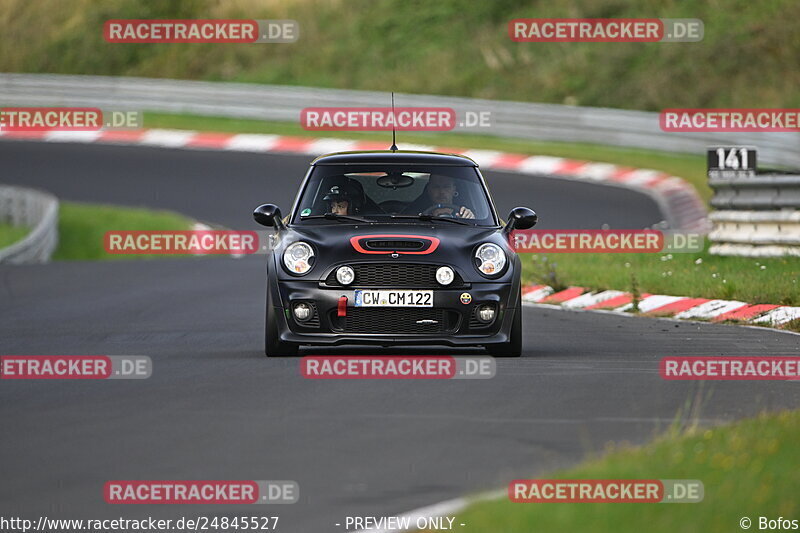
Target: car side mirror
x=521 y=218
x=268 y=215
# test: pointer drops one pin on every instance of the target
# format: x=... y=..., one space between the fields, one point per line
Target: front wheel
x=273 y=346
x=512 y=348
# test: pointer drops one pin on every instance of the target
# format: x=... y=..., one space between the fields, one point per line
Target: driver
x=340 y=199
x=441 y=193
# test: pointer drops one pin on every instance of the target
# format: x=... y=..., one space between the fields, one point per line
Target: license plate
x=394 y=298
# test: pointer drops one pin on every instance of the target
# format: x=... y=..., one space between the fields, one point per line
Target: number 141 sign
x=731 y=161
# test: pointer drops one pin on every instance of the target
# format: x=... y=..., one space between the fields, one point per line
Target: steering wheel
x=452 y=207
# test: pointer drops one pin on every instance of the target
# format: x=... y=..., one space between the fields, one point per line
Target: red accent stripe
x=563 y=296
x=122 y=136
x=210 y=140
x=11 y=134
x=570 y=166
x=655 y=180
x=677 y=306
x=371 y=145
x=293 y=144
x=532 y=288
x=622 y=173
x=342 y=308
x=617 y=301
x=745 y=313
x=509 y=161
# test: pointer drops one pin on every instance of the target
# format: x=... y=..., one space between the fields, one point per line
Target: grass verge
x=10 y=234
x=702 y=275
x=82 y=228
x=748 y=469
x=687 y=166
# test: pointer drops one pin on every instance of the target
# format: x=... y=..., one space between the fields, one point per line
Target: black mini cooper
x=393 y=248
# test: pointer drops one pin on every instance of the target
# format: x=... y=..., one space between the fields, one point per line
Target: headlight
x=345 y=275
x=444 y=275
x=490 y=259
x=298 y=257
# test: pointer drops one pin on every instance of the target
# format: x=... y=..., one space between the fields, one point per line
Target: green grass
x=752 y=280
x=748 y=468
x=690 y=167
x=10 y=234
x=452 y=47
x=82 y=228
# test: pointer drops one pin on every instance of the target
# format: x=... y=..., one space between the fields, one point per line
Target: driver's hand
x=465 y=212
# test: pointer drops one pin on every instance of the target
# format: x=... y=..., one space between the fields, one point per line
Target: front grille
x=474 y=323
x=395 y=275
x=395 y=320
x=375 y=244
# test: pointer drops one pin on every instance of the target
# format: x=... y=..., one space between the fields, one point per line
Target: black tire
x=512 y=348
x=273 y=346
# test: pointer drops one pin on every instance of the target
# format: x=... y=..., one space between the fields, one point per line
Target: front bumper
x=456 y=323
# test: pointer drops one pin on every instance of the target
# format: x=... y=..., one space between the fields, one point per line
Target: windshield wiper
x=428 y=218
x=332 y=216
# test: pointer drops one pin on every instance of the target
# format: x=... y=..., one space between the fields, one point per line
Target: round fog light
x=445 y=275
x=302 y=311
x=345 y=275
x=486 y=313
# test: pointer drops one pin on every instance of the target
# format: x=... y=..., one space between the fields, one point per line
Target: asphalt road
x=224 y=187
x=216 y=408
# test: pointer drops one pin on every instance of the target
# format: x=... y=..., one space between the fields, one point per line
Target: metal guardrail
x=37 y=210
x=758 y=216
x=283 y=103
x=756 y=233
x=759 y=192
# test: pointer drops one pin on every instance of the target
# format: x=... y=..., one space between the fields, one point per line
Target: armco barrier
x=284 y=103
x=756 y=233
x=37 y=210
x=758 y=216
x=764 y=191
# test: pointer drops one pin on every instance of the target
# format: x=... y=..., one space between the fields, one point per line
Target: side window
x=468 y=192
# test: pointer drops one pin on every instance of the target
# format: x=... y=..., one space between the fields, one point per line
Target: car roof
x=398 y=157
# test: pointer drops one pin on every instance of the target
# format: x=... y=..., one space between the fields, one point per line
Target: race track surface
x=216 y=408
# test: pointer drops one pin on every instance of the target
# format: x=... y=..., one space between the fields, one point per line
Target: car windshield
x=392 y=193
